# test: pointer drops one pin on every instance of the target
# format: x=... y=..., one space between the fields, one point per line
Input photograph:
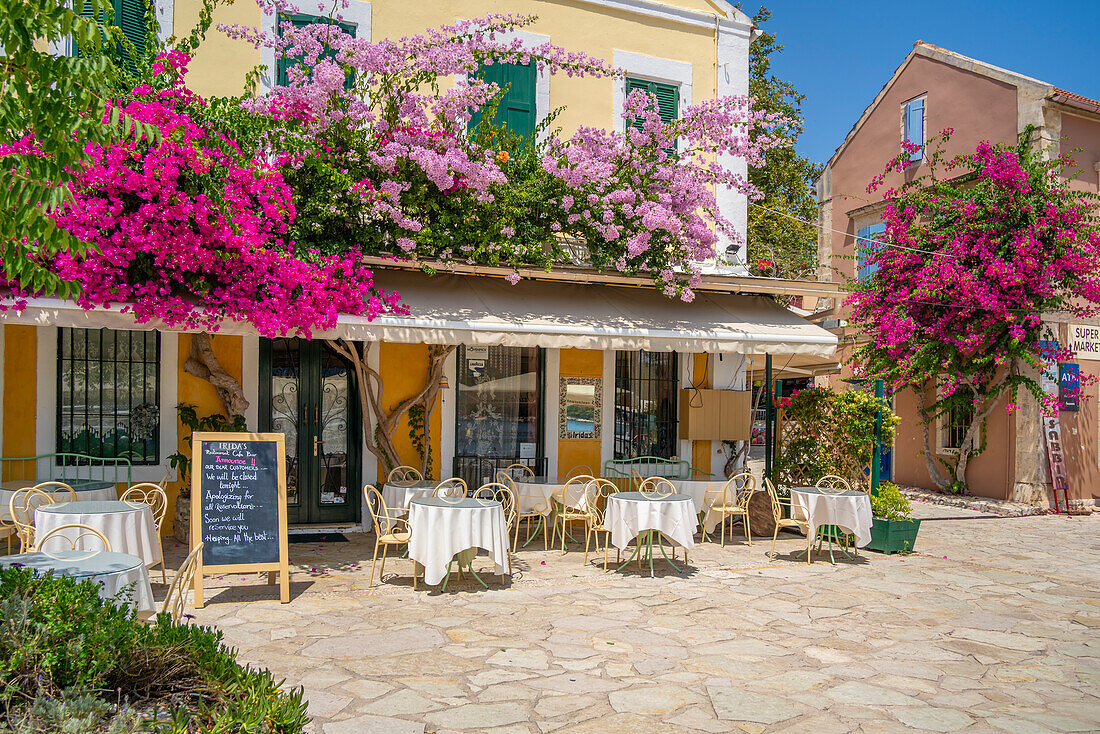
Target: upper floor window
x=129 y=16
x=108 y=394
x=913 y=125
x=299 y=20
x=668 y=99
x=516 y=107
x=867 y=244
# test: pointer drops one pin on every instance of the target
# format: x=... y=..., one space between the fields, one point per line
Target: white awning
x=453 y=309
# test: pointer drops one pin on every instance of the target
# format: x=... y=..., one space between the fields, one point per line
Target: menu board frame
x=280 y=567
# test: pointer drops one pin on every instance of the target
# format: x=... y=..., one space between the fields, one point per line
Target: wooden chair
x=157 y=499
x=502 y=493
x=732 y=500
x=58 y=533
x=176 y=600
x=453 y=487
x=596 y=490
x=832 y=481
x=55 y=488
x=388 y=530
x=785 y=522
x=21 y=509
x=578 y=470
x=404 y=474
x=573 y=507
x=537 y=503
x=657 y=486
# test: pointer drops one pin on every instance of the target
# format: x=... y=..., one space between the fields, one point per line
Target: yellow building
x=564 y=369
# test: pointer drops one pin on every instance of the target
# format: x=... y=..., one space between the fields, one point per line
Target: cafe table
x=128 y=526
x=398 y=495
x=630 y=514
x=447 y=527
x=86 y=489
x=705 y=492
x=121 y=576
x=849 y=510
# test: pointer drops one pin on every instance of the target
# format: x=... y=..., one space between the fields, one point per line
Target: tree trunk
x=202 y=363
x=934 y=471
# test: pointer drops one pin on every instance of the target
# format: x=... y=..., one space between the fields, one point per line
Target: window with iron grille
x=646 y=386
x=953 y=427
x=108 y=394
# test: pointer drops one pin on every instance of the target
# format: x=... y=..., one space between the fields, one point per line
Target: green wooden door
x=308 y=393
x=516 y=109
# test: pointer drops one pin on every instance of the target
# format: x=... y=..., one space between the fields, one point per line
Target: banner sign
x=1052 y=429
x=1084 y=341
x=1069 y=386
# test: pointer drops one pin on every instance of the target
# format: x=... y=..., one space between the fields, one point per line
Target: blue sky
x=839 y=54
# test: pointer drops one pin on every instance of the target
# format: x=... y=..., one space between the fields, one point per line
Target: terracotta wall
x=1084 y=134
x=577 y=451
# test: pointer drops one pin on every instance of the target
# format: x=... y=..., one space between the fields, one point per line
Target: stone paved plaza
x=993 y=625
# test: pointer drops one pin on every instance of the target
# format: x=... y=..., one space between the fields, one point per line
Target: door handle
x=317 y=441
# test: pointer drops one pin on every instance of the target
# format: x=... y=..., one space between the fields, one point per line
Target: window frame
x=944 y=426
x=536 y=115
x=864 y=269
x=282 y=64
x=156 y=361
x=907 y=121
x=670 y=421
x=651 y=86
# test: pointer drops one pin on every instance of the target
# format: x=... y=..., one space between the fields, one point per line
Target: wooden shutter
x=668 y=100
x=130 y=17
x=298 y=20
x=913 y=126
x=516 y=109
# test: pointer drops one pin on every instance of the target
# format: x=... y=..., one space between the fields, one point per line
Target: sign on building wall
x=1050 y=380
x=1069 y=386
x=1084 y=341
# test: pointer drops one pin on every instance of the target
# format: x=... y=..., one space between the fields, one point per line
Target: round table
x=115 y=572
x=629 y=514
x=397 y=495
x=535 y=495
x=697 y=489
x=86 y=489
x=443 y=527
x=849 y=510
x=128 y=526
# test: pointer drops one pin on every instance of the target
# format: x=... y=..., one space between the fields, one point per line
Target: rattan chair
x=732 y=500
x=658 y=486
x=59 y=534
x=785 y=522
x=538 y=509
x=21 y=509
x=573 y=507
x=176 y=600
x=154 y=496
x=453 y=487
x=404 y=474
x=388 y=530
x=55 y=488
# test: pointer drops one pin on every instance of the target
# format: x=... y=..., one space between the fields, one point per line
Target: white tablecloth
x=113 y=571
x=850 y=511
x=697 y=489
x=443 y=528
x=629 y=513
x=398 y=494
x=536 y=495
x=108 y=493
x=128 y=526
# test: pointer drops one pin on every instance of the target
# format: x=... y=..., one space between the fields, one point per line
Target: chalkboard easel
x=238 y=510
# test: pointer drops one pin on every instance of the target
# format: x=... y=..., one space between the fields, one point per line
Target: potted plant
x=893 y=529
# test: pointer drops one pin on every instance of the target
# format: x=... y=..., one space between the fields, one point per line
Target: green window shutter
x=130 y=17
x=668 y=99
x=299 y=20
x=516 y=109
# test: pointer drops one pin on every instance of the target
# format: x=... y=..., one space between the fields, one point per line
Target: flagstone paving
x=993 y=626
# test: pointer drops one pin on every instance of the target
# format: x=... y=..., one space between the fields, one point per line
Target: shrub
x=60 y=641
x=890 y=503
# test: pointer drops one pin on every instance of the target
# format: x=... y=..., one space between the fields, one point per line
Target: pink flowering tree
x=976 y=250
x=376 y=142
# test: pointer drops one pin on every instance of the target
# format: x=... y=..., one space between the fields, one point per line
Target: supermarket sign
x=1084 y=341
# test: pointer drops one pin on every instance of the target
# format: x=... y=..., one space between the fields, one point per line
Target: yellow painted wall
x=200 y=393
x=576 y=451
x=700 y=378
x=20 y=394
x=220 y=65
x=404 y=370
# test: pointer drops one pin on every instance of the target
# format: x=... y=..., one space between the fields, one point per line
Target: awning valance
x=453 y=309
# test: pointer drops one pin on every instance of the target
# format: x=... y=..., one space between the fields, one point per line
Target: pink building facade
x=931 y=90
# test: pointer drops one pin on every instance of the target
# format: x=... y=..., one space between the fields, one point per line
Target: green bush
x=59 y=640
x=890 y=503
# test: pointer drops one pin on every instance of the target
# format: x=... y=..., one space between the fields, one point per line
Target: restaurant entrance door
x=308 y=393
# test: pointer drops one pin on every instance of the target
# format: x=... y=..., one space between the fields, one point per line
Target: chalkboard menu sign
x=238 y=509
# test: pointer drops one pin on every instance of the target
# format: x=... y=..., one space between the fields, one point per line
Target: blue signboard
x=1069 y=385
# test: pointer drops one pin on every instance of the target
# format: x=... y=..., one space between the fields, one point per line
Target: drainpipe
x=876 y=461
x=769 y=448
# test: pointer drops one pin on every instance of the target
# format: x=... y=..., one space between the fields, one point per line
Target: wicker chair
x=388 y=530
x=60 y=533
x=154 y=496
x=176 y=600
x=732 y=500
x=785 y=522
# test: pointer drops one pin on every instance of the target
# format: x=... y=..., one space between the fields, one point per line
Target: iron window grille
x=108 y=394
x=646 y=388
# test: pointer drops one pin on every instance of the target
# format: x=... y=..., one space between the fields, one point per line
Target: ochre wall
x=404 y=370
x=20 y=392
x=201 y=394
x=576 y=451
x=700 y=378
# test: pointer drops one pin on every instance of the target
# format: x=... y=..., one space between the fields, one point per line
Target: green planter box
x=893 y=536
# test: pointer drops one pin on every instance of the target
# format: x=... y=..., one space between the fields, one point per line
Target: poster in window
x=1069 y=385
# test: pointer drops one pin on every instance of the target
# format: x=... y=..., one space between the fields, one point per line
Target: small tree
x=968 y=266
